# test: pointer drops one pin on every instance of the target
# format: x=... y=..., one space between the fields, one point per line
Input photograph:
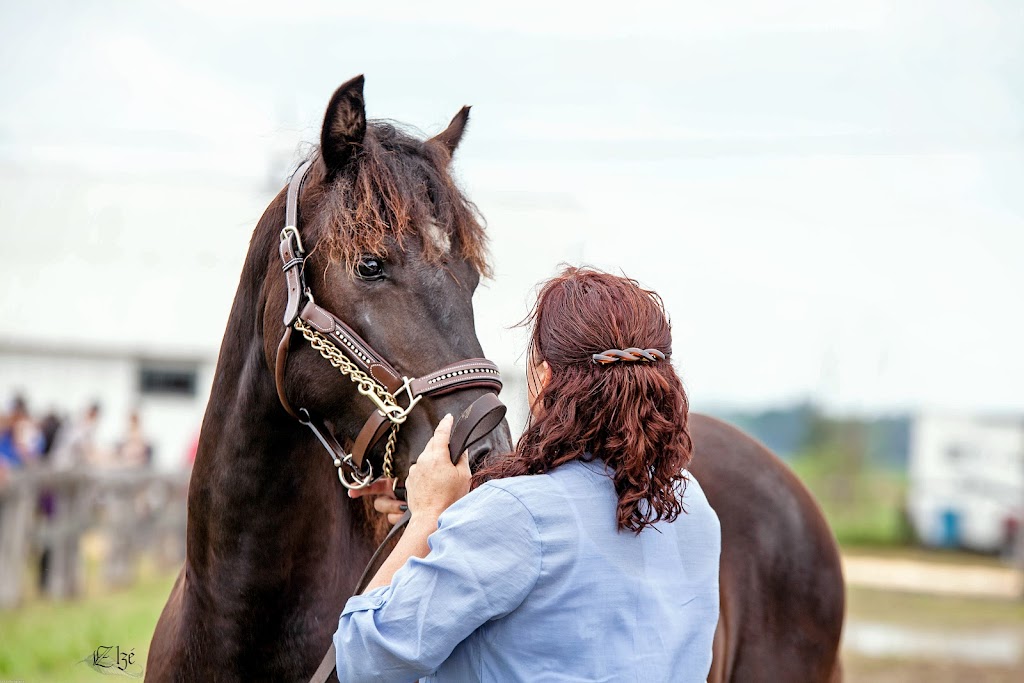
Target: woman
x=589 y=554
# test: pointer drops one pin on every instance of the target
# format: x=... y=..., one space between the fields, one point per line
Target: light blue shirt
x=528 y=579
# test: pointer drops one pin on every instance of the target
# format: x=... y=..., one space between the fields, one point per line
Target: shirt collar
x=597 y=465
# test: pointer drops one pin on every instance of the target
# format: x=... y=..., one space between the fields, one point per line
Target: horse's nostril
x=478 y=457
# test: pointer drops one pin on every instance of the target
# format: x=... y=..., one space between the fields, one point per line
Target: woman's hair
x=632 y=414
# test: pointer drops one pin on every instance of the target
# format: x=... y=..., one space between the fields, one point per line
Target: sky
x=826 y=194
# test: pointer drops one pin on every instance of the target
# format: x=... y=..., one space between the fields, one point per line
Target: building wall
x=966 y=473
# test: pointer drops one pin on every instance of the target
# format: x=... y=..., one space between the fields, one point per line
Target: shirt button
x=378 y=602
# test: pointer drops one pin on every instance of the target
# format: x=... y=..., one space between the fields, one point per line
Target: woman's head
x=629 y=413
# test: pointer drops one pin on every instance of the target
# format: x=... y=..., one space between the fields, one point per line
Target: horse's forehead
x=438 y=237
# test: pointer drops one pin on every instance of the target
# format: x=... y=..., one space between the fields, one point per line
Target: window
x=167 y=380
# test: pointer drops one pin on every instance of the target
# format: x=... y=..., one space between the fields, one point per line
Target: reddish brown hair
x=396 y=184
x=632 y=415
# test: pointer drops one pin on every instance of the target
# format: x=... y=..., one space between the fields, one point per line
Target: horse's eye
x=370 y=268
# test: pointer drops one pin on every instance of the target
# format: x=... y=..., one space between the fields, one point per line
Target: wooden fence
x=44 y=515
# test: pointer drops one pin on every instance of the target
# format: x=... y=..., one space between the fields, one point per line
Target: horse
x=781 y=589
x=274 y=546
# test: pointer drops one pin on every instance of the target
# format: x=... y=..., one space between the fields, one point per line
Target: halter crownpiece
x=627 y=355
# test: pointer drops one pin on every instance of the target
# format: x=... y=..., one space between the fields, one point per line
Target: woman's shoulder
x=542 y=486
x=548 y=492
x=503 y=506
x=529 y=495
x=527 y=489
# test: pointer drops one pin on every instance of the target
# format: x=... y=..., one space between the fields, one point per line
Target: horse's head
x=395 y=251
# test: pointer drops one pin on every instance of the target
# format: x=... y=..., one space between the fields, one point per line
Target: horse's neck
x=270 y=531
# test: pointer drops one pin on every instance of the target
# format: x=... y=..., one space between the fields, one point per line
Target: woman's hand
x=384 y=500
x=434 y=483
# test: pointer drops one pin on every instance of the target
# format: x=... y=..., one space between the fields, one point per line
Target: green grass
x=863 y=505
x=46 y=641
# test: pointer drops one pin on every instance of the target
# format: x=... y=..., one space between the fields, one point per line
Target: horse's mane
x=395 y=186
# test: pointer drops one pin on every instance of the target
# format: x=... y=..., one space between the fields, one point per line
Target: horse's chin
x=377 y=525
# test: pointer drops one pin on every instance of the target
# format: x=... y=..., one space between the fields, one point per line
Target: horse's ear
x=451 y=135
x=344 y=124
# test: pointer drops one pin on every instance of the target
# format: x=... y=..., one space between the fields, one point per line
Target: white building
x=117 y=290
x=966 y=480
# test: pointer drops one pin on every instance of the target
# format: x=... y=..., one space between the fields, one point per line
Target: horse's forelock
x=397 y=186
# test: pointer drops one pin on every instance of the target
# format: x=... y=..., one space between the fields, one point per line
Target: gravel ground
x=947 y=630
x=859 y=669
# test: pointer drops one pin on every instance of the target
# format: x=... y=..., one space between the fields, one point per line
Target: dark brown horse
x=274 y=546
x=781 y=583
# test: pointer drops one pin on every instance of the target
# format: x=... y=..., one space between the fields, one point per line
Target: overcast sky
x=827 y=194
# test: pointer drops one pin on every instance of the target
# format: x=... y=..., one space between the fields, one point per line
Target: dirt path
x=918 y=576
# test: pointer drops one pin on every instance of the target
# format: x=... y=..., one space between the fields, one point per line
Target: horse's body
x=781 y=583
x=274 y=546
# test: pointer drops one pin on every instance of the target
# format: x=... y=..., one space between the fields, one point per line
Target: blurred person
x=75 y=443
x=49 y=425
x=134 y=450
x=20 y=445
x=189 y=457
x=589 y=553
x=21 y=441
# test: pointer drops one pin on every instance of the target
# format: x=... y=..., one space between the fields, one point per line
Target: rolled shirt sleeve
x=484 y=559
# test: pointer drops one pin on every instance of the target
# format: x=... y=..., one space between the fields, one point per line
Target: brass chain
x=339 y=360
x=333 y=355
x=389 y=450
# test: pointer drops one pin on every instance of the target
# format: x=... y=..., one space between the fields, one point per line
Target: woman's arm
x=413 y=543
x=479 y=564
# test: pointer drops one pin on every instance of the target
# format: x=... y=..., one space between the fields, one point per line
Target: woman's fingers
x=437 y=447
x=434 y=483
x=388 y=505
x=381 y=487
x=440 y=479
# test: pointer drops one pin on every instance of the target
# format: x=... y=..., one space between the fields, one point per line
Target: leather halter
x=303 y=313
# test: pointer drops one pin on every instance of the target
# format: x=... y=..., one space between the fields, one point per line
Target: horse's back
x=781 y=580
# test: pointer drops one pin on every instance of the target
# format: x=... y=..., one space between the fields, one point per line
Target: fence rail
x=44 y=515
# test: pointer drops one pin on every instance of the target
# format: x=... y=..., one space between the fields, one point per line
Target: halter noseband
x=374 y=376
